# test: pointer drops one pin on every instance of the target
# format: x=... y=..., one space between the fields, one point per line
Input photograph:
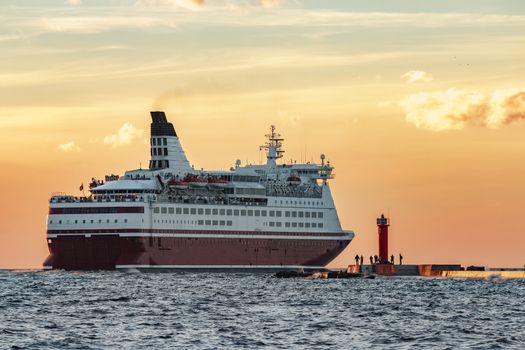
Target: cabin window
x=215 y=222
x=186 y=211
x=243 y=212
x=278 y=224
x=294 y=224
x=229 y=223
x=314 y=225
x=154 y=141
x=263 y=212
x=278 y=213
x=257 y=213
x=314 y=214
x=208 y=222
x=287 y=214
x=193 y=211
x=306 y=214
x=222 y=223
x=171 y=210
x=200 y=211
x=250 y=212
x=165 y=151
x=200 y=222
x=272 y=213
x=222 y=212
x=163 y=210
x=208 y=211
x=272 y=224
x=215 y=211
x=165 y=141
x=178 y=210
x=320 y=214
x=156 y=210
x=301 y=224
x=236 y=212
x=287 y=224
x=300 y=214
x=294 y=214
x=320 y=225
x=229 y=212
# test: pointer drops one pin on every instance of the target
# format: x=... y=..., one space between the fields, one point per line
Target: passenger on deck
x=371 y=260
x=361 y=260
x=392 y=259
x=400 y=259
x=356 y=259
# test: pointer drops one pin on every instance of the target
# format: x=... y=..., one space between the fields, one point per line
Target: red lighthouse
x=382 y=230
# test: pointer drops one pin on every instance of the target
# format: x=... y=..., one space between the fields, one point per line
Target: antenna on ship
x=273 y=147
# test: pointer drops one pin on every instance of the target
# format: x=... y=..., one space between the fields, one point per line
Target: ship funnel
x=166 y=150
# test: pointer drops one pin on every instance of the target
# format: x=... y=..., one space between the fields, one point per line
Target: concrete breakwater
x=435 y=270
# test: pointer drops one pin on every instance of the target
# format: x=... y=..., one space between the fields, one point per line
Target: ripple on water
x=114 y=310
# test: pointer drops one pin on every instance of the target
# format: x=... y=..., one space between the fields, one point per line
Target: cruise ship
x=269 y=217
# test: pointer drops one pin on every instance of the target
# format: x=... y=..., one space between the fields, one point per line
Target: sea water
x=118 y=310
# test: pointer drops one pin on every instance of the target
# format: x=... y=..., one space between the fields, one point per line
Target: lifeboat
x=196 y=181
x=178 y=184
x=217 y=183
x=294 y=180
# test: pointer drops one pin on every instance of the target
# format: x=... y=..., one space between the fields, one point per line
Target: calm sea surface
x=117 y=310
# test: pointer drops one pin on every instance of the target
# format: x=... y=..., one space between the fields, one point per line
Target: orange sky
x=420 y=110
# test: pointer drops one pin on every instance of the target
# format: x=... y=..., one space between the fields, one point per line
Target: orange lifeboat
x=196 y=181
x=294 y=180
x=178 y=184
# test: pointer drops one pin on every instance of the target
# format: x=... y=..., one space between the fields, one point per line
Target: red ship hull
x=109 y=252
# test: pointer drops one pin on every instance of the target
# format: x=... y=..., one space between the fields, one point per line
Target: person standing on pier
x=356 y=259
x=400 y=259
x=361 y=260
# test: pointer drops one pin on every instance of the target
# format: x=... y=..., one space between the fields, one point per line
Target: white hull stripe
x=190 y=235
x=217 y=267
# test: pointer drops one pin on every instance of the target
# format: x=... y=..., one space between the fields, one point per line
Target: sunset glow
x=420 y=109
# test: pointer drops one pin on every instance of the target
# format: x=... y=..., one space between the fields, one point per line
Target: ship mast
x=273 y=148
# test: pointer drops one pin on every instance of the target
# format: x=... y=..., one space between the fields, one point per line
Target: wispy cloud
x=185 y=4
x=416 y=76
x=455 y=109
x=174 y=13
x=124 y=136
x=73 y=2
x=70 y=146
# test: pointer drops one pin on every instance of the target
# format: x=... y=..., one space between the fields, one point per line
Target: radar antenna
x=273 y=147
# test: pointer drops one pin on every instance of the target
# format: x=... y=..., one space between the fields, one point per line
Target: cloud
x=269 y=3
x=454 y=109
x=185 y=4
x=73 y=2
x=124 y=136
x=415 y=76
x=69 y=147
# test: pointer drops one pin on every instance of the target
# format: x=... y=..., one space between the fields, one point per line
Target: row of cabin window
x=230 y=223
x=159 y=141
x=318 y=203
x=159 y=151
x=238 y=212
x=91 y=221
x=296 y=224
